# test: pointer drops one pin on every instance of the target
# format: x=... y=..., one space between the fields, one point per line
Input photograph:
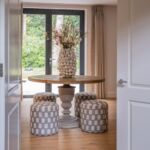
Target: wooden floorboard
x=68 y=139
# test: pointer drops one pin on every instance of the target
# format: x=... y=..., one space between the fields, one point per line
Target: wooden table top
x=55 y=79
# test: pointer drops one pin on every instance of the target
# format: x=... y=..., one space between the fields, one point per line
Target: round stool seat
x=80 y=97
x=44 y=96
x=44 y=118
x=94 y=116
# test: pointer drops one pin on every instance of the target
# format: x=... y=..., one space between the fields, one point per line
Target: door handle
x=122 y=82
x=51 y=60
x=21 y=81
x=1 y=70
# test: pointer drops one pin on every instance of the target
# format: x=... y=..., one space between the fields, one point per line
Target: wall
x=110 y=45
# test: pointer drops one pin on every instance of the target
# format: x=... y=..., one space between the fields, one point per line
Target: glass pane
x=33 y=54
x=57 y=21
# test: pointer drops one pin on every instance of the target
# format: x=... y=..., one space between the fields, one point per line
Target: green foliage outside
x=33 y=55
x=34 y=42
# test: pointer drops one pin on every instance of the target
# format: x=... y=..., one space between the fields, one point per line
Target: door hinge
x=1 y=70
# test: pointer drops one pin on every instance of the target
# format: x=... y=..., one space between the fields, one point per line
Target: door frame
x=48 y=13
x=2 y=78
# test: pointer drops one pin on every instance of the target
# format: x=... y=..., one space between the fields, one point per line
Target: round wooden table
x=66 y=94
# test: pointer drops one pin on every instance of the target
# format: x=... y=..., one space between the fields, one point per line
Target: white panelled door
x=133 y=122
x=12 y=74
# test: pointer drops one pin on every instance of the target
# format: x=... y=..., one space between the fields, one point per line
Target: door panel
x=133 y=66
x=14 y=45
x=13 y=128
x=12 y=75
x=139 y=135
x=140 y=22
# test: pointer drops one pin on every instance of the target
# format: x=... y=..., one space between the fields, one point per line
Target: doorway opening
x=40 y=52
x=67 y=138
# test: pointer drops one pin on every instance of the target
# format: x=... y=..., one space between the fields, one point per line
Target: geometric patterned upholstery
x=80 y=97
x=44 y=118
x=44 y=96
x=94 y=116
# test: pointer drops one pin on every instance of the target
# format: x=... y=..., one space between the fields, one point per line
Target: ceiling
x=81 y=2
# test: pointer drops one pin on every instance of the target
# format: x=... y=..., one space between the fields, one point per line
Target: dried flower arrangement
x=68 y=36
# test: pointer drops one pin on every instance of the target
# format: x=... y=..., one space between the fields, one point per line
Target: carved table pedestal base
x=66 y=93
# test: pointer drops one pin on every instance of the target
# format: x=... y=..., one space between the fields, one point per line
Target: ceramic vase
x=67 y=63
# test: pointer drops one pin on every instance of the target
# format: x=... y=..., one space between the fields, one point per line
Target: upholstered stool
x=94 y=116
x=80 y=97
x=44 y=96
x=44 y=118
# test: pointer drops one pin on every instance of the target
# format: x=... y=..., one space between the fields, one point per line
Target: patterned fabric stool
x=44 y=96
x=44 y=118
x=94 y=116
x=80 y=97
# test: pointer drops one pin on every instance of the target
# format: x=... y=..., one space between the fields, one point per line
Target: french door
x=39 y=50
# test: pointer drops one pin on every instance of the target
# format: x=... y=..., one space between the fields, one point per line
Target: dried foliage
x=68 y=36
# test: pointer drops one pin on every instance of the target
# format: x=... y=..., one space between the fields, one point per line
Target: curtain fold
x=95 y=57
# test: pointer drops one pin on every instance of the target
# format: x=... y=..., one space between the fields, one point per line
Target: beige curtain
x=95 y=56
